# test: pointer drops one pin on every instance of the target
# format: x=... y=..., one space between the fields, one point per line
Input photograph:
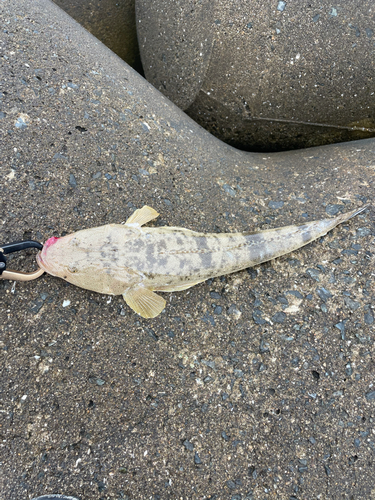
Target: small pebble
x=59 y=156
x=283 y=300
x=276 y=204
x=36 y=306
x=218 y=310
x=21 y=122
x=295 y=293
x=232 y=310
x=363 y=231
x=370 y=396
x=294 y=262
x=348 y=370
x=352 y=304
x=257 y=317
x=211 y=364
x=369 y=318
x=189 y=446
x=327 y=469
x=313 y=273
x=263 y=346
x=279 y=317
x=253 y=273
x=229 y=190
x=72 y=180
x=341 y=326
x=323 y=294
x=333 y=209
x=224 y=436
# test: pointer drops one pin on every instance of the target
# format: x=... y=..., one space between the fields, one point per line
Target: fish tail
x=348 y=215
x=322 y=227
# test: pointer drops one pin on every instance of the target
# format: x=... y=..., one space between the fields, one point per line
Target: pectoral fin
x=142 y=216
x=144 y=302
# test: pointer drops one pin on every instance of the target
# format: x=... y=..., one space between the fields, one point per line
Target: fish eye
x=72 y=268
x=74 y=242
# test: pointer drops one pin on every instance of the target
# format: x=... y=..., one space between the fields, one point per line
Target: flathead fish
x=136 y=261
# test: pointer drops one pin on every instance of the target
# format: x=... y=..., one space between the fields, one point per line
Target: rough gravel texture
x=256 y=386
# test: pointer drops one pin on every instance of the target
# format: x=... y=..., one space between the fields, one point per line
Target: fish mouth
x=42 y=254
x=39 y=260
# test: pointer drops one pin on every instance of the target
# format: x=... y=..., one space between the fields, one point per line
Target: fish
x=136 y=261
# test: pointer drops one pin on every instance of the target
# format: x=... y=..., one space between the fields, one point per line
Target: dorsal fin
x=142 y=216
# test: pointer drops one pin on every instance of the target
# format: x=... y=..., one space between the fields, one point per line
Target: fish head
x=85 y=259
x=59 y=256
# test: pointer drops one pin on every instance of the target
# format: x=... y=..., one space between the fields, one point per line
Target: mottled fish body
x=135 y=261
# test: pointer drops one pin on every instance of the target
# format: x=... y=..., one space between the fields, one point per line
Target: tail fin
x=344 y=217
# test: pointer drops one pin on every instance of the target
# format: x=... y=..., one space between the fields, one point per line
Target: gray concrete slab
x=111 y=21
x=265 y=76
x=258 y=385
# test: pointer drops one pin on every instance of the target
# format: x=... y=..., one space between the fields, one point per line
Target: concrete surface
x=111 y=21
x=265 y=76
x=259 y=385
